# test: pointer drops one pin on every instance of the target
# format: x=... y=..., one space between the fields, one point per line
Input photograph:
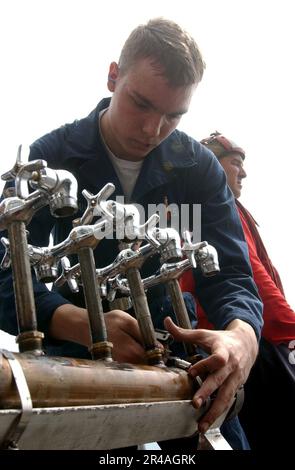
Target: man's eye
x=141 y=105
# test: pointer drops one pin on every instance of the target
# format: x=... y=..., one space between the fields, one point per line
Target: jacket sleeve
x=278 y=316
x=39 y=229
x=231 y=294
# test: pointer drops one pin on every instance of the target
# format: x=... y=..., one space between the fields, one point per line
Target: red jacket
x=279 y=318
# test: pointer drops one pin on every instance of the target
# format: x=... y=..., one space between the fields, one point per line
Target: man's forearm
x=70 y=323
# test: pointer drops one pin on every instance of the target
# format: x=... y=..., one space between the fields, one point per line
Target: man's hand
x=232 y=354
x=123 y=331
x=70 y=323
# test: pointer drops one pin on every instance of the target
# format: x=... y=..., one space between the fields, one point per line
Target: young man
x=131 y=140
x=270 y=389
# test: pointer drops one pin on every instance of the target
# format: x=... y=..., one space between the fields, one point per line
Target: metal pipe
x=101 y=348
x=143 y=316
x=180 y=311
x=60 y=381
x=29 y=338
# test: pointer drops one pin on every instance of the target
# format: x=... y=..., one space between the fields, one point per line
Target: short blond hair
x=171 y=49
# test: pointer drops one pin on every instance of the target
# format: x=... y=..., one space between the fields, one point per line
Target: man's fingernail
x=198 y=402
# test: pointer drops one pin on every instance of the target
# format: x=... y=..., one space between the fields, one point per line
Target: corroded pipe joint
x=102 y=350
x=155 y=357
x=30 y=341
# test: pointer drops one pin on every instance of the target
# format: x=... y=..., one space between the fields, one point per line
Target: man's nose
x=153 y=125
x=243 y=173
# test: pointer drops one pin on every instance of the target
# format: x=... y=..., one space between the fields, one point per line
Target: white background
x=54 y=62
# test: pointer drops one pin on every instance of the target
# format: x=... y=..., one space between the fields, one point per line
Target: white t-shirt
x=127 y=171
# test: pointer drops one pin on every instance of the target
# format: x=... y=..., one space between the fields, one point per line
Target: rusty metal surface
x=76 y=382
x=92 y=295
x=180 y=311
x=153 y=352
x=22 y=278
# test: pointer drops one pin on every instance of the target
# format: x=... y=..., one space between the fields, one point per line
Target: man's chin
x=142 y=148
x=135 y=154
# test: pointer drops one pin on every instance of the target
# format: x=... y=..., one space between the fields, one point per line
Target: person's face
x=144 y=110
x=233 y=167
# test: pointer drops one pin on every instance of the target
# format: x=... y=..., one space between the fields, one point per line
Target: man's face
x=144 y=110
x=233 y=167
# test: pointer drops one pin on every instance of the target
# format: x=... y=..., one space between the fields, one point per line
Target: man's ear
x=113 y=75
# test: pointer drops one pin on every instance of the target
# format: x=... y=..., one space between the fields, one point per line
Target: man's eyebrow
x=238 y=160
x=143 y=99
x=147 y=102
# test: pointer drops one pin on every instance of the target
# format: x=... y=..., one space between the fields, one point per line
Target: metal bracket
x=213 y=440
x=21 y=421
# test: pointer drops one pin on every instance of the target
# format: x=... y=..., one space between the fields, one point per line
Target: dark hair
x=171 y=49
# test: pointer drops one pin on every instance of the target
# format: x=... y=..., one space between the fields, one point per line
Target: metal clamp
x=20 y=423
